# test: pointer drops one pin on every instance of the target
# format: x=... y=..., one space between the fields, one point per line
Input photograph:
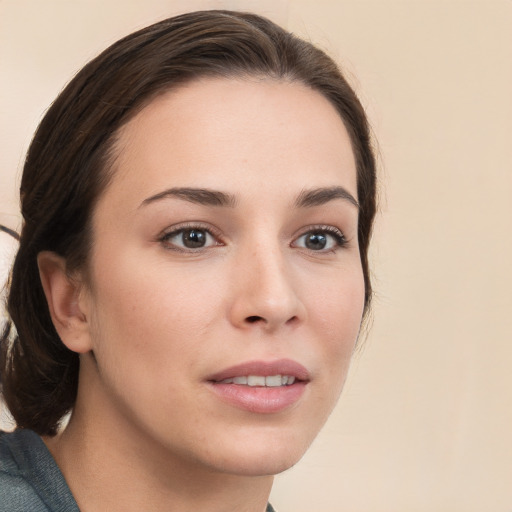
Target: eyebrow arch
x=201 y=196
x=320 y=196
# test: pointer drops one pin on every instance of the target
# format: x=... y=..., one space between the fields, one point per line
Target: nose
x=265 y=292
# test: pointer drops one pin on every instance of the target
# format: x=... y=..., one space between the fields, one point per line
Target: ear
x=65 y=301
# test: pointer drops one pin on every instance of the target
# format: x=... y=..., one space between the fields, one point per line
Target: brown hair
x=67 y=167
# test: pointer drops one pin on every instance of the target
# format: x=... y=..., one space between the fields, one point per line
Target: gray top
x=30 y=480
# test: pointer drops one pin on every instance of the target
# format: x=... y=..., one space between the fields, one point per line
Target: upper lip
x=263 y=368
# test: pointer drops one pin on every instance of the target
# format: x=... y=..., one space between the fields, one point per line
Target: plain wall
x=425 y=420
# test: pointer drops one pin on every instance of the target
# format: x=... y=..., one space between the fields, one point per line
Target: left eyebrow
x=320 y=196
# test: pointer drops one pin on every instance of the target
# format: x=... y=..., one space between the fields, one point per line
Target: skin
x=153 y=321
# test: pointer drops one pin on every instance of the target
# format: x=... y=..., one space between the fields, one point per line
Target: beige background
x=425 y=420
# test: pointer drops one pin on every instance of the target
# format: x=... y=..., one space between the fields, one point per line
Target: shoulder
x=16 y=493
x=29 y=477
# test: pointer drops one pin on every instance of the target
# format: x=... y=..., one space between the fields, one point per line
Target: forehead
x=231 y=131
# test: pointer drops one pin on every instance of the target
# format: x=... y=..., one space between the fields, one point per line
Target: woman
x=192 y=272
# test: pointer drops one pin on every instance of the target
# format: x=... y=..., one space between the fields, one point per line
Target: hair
x=68 y=165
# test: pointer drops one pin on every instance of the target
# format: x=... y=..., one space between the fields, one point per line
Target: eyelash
x=166 y=237
x=339 y=238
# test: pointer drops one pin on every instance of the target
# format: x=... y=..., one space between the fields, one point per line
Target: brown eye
x=193 y=238
x=189 y=238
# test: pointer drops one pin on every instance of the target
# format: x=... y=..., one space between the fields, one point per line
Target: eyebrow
x=320 y=196
x=201 y=196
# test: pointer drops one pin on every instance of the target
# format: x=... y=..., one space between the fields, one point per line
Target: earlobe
x=64 y=302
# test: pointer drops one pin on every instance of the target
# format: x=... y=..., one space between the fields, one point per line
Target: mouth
x=261 y=387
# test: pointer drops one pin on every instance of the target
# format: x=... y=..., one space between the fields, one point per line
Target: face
x=225 y=291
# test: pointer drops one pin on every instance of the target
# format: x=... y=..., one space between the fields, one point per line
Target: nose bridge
x=265 y=292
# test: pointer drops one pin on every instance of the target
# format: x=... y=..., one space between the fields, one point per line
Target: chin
x=263 y=455
x=262 y=464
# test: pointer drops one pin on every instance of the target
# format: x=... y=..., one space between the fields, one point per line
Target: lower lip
x=261 y=400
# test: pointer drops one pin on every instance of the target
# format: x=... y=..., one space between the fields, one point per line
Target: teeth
x=272 y=381
x=255 y=380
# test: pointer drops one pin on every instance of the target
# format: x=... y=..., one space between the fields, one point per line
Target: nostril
x=253 y=319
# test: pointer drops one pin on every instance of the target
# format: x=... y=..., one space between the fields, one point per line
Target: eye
x=189 y=239
x=321 y=239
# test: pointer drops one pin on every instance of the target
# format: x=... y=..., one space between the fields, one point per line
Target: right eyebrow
x=203 y=196
x=322 y=195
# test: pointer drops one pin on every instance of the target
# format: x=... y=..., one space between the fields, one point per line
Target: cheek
x=147 y=339
x=335 y=313
x=337 y=304
x=151 y=311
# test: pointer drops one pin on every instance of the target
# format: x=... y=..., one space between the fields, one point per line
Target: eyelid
x=338 y=235
x=340 y=238
x=175 y=229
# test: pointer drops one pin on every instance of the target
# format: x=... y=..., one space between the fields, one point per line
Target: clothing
x=30 y=480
